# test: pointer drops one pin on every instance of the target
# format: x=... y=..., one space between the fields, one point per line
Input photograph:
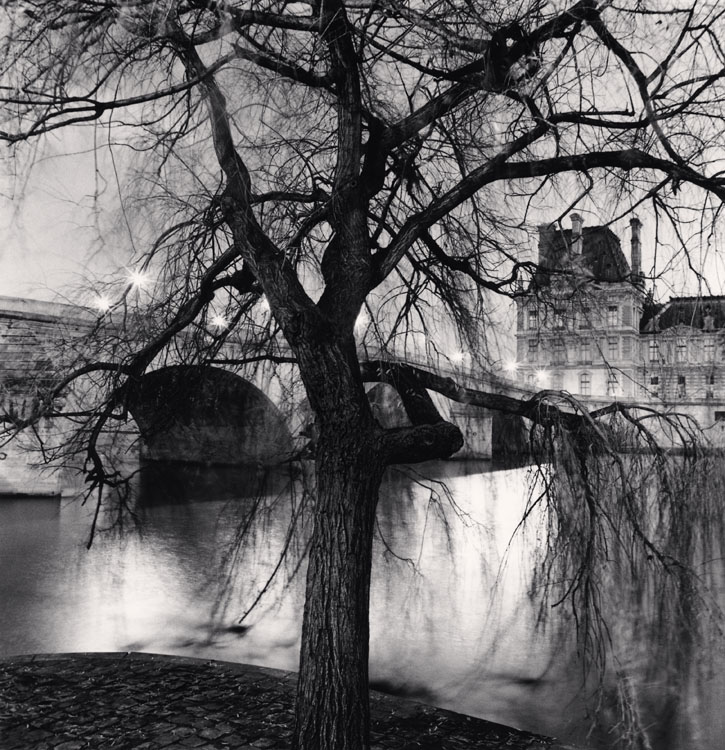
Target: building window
x=627 y=347
x=681 y=386
x=585 y=318
x=557 y=381
x=709 y=350
x=530 y=379
x=585 y=384
x=533 y=352
x=533 y=320
x=558 y=353
x=612 y=349
x=559 y=322
x=612 y=384
x=612 y=315
x=654 y=351
x=710 y=386
x=585 y=349
x=720 y=416
x=681 y=350
x=627 y=315
x=654 y=386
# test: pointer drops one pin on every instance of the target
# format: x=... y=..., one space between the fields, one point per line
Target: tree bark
x=351 y=453
x=332 y=695
x=332 y=710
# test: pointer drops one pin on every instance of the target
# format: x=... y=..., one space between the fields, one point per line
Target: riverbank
x=149 y=701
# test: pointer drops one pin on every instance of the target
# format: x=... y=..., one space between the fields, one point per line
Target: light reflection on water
x=449 y=624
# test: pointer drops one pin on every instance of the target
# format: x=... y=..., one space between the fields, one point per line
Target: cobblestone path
x=142 y=701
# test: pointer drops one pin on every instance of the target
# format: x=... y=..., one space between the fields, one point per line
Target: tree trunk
x=332 y=696
x=351 y=453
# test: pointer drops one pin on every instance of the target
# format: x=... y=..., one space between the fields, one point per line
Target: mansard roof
x=687 y=311
x=601 y=254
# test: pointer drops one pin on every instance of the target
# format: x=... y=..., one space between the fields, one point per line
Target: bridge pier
x=22 y=473
x=476 y=424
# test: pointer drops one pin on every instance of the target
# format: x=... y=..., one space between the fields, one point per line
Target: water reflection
x=449 y=623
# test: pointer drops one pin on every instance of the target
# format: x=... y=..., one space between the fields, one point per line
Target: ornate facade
x=587 y=325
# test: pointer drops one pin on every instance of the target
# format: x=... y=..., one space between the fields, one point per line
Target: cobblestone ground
x=116 y=701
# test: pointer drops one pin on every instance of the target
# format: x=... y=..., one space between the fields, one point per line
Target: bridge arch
x=207 y=415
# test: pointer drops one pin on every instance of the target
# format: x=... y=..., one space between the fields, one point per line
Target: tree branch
x=286 y=295
x=498 y=169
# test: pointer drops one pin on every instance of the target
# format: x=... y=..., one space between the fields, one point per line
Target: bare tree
x=335 y=155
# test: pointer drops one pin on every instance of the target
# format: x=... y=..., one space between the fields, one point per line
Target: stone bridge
x=226 y=414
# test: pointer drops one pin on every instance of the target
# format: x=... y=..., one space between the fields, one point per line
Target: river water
x=451 y=624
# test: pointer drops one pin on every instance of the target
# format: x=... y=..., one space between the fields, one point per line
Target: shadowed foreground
x=73 y=701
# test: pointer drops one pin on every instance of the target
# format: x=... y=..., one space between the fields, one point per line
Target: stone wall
x=35 y=337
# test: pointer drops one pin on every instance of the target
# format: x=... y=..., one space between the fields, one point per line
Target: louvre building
x=586 y=324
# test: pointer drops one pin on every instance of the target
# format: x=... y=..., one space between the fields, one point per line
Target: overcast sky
x=56 y=237
x=50 y=227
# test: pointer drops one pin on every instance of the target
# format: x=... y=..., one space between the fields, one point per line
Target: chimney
x=577 y=241
x=635 y=225
x=545 y=232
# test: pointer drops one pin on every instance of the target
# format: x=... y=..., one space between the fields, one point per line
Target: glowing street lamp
x=138 y=279
x=511 y=367
x=541 y=377
x=102 y=303
x=457 y=357
x=220 y=322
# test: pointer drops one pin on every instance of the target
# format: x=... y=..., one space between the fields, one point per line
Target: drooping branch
x=544 y=407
